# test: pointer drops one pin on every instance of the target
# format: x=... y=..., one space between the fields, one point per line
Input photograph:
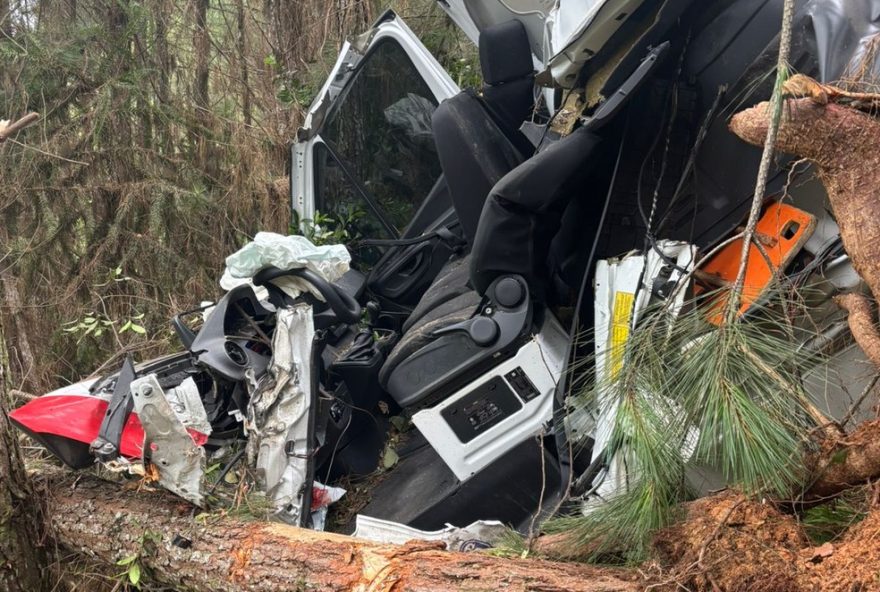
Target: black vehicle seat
x=450 y=283
x=480 y=306
x=461 y=328
x=508 y=72
x=477 y=146
x=478 y=139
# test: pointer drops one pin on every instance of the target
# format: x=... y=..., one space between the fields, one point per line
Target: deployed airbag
x=285 y=252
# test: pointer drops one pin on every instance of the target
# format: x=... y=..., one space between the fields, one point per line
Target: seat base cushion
x=451 y=282
x=447 y=301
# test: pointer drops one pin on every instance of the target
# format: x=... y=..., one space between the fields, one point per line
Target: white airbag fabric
x=285 y=252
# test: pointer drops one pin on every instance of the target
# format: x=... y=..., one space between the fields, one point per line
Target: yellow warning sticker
x=621 y=315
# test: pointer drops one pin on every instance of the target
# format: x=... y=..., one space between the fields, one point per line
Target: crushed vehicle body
x=431 y=359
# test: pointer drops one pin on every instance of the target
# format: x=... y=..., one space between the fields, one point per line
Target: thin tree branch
x=10 y=129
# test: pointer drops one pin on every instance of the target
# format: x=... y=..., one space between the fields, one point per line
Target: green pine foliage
x=691 y=393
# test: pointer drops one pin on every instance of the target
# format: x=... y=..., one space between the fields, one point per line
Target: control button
x=483 y=331
x=508 y=292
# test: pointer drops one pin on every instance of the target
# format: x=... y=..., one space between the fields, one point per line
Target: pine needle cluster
x=688 y=392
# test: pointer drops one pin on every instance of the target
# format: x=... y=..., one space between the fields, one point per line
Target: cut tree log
x=726 y=540
x=107 y=522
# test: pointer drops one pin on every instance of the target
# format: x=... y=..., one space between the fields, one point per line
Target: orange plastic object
x=782 y=231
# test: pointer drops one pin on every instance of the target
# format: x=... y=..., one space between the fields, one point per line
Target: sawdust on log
x=850 y=565
x=731 y=543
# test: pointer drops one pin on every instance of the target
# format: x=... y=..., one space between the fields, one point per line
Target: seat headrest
x=505 y=53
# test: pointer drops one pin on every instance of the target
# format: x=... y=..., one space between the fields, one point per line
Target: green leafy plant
x=133 y=562
x=132 y=569
x=97 y=324
x=329 y=229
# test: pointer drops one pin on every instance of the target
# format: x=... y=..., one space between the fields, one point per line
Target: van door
x=365 y=163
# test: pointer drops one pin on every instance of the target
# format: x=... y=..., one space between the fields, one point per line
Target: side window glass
x=343 y=210
x=381 y=129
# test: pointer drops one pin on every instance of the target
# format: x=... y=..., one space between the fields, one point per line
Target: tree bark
x=202 y=50
x=861 y=324
x=22 y=555
x=845 y=462
x=8 y=129
x=5 y=19
x=9 y=287
x=845 y=146
x=202 y=47
x=223 y=554
x=12 y=302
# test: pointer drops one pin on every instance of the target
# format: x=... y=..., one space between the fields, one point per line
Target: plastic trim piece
x=541 y=360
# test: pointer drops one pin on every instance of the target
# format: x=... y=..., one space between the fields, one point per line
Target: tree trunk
x=22 y=556
x=202 y=47
x=202 y=50
x=222 y=554
x=163 y=65
x=243 y=63
x=845 y=146
x=12 y=302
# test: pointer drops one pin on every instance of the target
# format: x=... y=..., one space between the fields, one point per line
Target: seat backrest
x=508 y=72
x=478 y=139
x=521 y=215
x=474 y=154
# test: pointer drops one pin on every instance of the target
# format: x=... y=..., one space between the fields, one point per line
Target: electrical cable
x=551 y=120
x=232 y=462
x=562 y=442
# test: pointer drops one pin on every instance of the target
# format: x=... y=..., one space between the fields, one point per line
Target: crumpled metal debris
x=278 y=415
x=167 y=418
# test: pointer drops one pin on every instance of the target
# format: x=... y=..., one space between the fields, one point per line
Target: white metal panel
x=563 y=34
x=542 y=360
x=627 y=282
